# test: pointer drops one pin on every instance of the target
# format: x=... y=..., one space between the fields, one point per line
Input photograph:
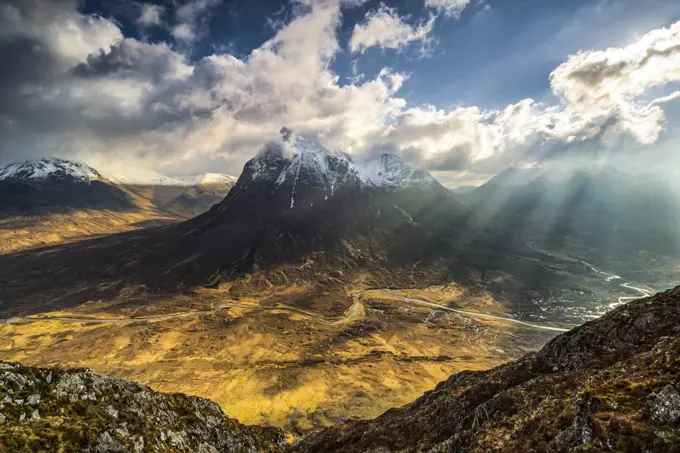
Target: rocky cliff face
x=609 y=385
x=49 y=409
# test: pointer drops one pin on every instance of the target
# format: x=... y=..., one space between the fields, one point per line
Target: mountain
x=53 y=183
x=56 y=200
x=463 y=189
x=291 y=205
x=609 y=385
x=136 y=176
x=52 y=409
x=599 y=212
x=208 y=190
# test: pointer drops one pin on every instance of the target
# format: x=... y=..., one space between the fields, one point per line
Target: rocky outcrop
x=49 y=409
x=609 y=385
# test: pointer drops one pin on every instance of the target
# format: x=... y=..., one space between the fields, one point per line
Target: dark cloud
x=133 y=59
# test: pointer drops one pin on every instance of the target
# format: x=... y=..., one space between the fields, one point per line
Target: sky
x=461 y=88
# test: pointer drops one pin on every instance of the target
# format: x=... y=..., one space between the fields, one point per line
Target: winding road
x=356 y=309
x=354 y=312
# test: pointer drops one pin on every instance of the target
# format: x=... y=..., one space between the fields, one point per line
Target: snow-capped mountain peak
x=52 y=169
x=308 y=159
x=388 y=170
x=306 y=173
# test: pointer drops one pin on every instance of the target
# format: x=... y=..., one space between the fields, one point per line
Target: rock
x=18 y=380
x=108 y=444
x=665 y=405
x=111 y=412
x=125 y=417
x=48 y=378
x=139 y=445
x=576 y=434
x=70 y=386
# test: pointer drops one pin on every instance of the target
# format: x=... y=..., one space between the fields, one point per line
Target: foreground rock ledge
x=612 y=384
x=48 y=409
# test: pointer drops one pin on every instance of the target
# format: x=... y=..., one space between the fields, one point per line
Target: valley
x=319 y=291
x=55 y=201
x=274 y=363
x=339 y=226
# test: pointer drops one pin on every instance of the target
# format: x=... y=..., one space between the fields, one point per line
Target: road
x=471 y=313
x=354 y=312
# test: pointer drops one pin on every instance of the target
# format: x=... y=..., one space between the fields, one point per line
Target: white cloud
x=608 y=85
x=183 y=32
x=384 y=28
x=104 y=98
x=191 y=18
x=448 y=7
x=150 y=14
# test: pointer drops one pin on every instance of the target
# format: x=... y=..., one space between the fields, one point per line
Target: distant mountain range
x=600 y=209
x=206 y=191
x=52 y=184
x=56 y=200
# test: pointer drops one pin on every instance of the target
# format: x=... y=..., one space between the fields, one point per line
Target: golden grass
x=277 y=368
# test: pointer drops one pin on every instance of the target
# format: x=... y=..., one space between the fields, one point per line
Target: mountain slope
x=628 y=223
x=609 y=385
x=596 y=208
x=289 y=207
x=51 y=409
x=50 y=184
x=209 y=190
x=55 y=200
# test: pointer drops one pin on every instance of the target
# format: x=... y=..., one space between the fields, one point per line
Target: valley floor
x=274 y=359
x=23 y=232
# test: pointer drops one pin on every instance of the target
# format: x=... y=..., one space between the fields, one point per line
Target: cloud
x=150 y=14
x=607 y=86
x=384 y=28
x=448 y=7
x=191 y=19
x=78 y=88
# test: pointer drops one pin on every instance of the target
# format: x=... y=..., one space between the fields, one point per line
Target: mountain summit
x=50 y=170
x=307 y=165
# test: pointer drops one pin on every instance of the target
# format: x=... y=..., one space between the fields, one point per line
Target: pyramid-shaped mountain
x=293 y=203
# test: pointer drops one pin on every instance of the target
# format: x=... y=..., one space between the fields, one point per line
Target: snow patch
x=215 y=178
x=50 y=169
x=330 y=168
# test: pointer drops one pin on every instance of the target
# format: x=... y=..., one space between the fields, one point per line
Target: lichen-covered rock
x=665 y=405
x=50 y=409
